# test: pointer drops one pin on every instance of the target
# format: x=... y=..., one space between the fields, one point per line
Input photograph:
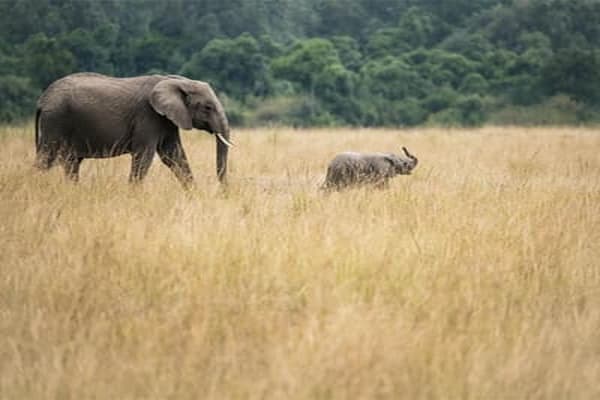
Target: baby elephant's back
x=356 y=160
x=353 y=156
x=346 y=157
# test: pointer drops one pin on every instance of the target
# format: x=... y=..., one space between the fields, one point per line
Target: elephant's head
x=193 y=104
x=403 y=165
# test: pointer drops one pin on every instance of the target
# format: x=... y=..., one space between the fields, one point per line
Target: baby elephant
x=354 y=169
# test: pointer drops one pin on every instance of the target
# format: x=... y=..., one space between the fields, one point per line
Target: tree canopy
x=315 y=62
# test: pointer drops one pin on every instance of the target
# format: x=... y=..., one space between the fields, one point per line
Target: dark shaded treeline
x=323 y=62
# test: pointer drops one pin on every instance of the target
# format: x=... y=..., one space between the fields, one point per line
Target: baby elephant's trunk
x=415 y=159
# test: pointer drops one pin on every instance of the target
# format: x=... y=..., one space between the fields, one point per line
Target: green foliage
x=440 y=99
x=234 y=66
x=416 y=28
x=336 y=87
x=348 y=51
x=303 y=62
x=340 y=17
x=471 y=110
x=17 y=98
x=557 y=110
x=474 y=83
x=47 y=59
x=298 y=111
x=394 y=79
x=151 y=53
x=574 y=72
x=90 y=49
x=441 y=67
x=473 y=46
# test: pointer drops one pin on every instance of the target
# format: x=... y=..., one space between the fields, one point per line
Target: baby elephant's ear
x=392 y=159
x=167 y=98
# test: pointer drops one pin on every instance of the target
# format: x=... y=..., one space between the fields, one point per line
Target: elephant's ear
x=167 y=98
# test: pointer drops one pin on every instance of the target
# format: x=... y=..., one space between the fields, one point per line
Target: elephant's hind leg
x=71 y=166
x=44 y=158
x=50 y=138
x=46 y=154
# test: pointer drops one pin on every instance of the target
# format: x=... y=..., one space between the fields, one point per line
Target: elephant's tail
x=38 y=114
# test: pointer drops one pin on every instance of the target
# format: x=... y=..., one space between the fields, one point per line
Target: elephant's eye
x=209 y=107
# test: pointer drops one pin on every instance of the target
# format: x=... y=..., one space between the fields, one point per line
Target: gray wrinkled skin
x=88 y=115
x=356 y=169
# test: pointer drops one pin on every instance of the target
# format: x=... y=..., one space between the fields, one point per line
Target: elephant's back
x=90 y=87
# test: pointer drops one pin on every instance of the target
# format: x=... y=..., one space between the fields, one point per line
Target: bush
x=440 y=99
x=471 y=110
x=235 y=66
x=447 y=117
x=466 y=111
x=474 y=83
x=384 y=112
x=558 y=110
x=299 y=111
x=17 y=97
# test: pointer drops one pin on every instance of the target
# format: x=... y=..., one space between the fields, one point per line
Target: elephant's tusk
x=225 y=141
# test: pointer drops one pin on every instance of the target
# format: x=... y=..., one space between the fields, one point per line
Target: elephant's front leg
x=173 y=156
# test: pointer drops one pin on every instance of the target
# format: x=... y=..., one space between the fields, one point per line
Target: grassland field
x=476 y=277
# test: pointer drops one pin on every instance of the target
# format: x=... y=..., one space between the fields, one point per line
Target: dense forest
x=323 y=62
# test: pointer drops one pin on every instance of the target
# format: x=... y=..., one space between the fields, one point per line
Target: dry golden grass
x=477 y=277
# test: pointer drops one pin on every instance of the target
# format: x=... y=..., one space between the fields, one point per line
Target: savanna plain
x=476 y=277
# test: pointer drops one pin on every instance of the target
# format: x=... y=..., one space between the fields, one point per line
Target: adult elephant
x=88 y=115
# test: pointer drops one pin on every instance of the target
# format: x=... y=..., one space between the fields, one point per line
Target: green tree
x=306 y=60
x=474 y=83
x=90 y=53
x=576 y=73
x=522 y=82
x=169 y=21
x=471 y=110
x=46 y=59
x=17 y=98
x=394 y=79
x=466 y=111
x=348 y=51
x=415 y=29
x=9 y=62
x=151 y=53
x=340 y=17
x=235 y=66
x=315 y=66
x=440 y=67
x=335 y=86
x=473 y=46
x=392 y=62
x=440 y=99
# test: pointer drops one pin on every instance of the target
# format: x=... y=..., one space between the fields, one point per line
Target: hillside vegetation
x=475 y=277
x=324 y=62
